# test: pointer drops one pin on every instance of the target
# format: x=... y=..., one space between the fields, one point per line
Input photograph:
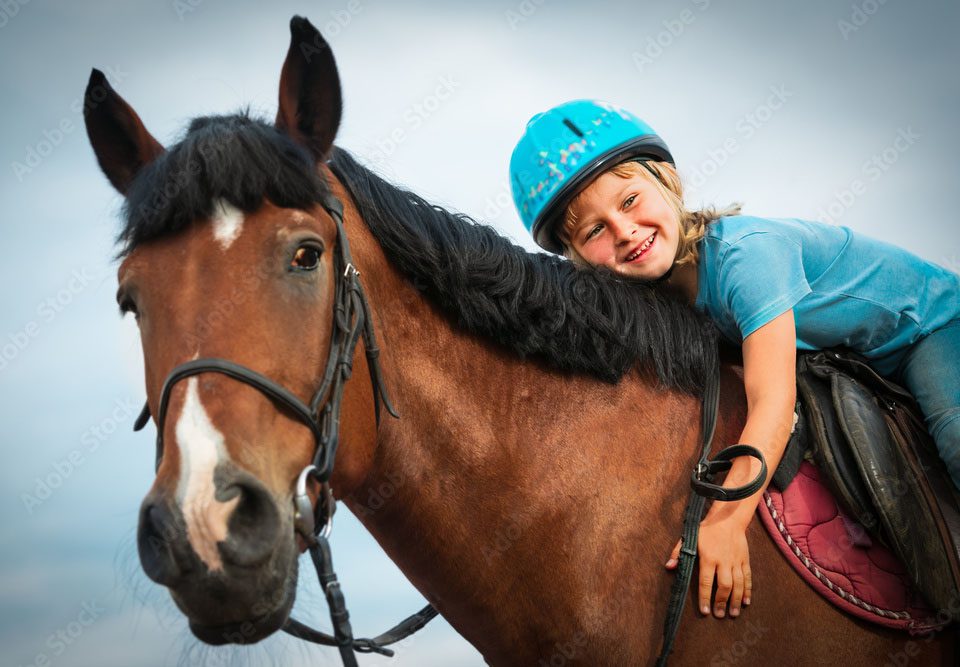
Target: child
x=594 y=182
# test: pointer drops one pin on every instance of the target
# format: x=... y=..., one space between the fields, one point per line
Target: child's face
x=617 y=218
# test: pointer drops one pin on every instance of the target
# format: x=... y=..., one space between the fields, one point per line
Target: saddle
x=867 y=437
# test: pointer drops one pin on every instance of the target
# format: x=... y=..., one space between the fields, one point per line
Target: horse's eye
x=127 y=305
x=306 y=258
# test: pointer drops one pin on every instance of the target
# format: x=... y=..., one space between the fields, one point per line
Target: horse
x=548 y=416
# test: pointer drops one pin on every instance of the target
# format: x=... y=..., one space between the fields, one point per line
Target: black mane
x=586 y=321
x=236 y=158
x=538 y=305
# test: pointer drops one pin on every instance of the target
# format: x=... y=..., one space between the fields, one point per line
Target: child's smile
x=642 y=251
x=626 y=225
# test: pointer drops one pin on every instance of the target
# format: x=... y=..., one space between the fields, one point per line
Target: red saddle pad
x=837 y=557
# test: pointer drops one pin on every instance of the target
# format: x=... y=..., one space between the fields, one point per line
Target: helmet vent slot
x=573 y=128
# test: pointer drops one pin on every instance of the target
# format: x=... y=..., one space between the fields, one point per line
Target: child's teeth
x=646 y=244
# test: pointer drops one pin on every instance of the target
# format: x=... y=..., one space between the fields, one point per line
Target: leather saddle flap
x=828 y=445
x=879 y=476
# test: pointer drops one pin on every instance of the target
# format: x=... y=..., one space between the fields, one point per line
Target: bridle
x=351 y=320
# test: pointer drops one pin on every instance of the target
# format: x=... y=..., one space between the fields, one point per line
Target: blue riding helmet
x=564 y=149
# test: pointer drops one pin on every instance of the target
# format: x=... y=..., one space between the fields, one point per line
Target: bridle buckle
x=305 y=517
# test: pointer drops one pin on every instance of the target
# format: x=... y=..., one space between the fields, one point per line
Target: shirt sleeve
x=761 y=276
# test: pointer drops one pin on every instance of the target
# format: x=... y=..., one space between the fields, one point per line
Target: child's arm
x=769 y=370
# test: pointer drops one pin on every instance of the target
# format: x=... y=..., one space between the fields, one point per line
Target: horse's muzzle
x=250 y=596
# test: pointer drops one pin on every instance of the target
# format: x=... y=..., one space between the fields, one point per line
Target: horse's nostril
x=157 y=535
x=254 y=525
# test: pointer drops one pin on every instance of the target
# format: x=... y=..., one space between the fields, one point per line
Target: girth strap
x=702 y=486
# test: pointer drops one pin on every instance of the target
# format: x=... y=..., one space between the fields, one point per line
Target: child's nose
x=624 y=231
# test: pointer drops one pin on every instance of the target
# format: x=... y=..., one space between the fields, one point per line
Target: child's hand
x=724 y=555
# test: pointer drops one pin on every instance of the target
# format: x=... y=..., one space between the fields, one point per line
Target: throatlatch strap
x=703 y=488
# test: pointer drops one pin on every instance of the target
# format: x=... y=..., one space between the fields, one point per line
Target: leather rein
x=351 y=320
x=703 y=488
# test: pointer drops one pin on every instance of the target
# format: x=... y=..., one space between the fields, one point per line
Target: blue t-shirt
x=846 y=289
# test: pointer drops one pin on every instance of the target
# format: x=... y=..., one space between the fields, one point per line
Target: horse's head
x=229 y=252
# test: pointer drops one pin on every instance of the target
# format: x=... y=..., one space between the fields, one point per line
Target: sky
x=836 y=111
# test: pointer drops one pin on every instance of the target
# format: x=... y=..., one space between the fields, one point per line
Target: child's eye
x=594 y=231
x=629 y=200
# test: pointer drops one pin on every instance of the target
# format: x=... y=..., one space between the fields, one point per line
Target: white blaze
x=227 y=222
x=201 y=448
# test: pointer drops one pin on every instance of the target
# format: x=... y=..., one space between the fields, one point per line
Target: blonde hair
x=664 y=177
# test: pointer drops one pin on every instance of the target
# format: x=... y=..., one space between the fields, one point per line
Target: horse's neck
x=502 y=476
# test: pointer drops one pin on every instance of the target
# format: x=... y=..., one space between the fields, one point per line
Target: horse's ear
x=122 y=144
x=310 y=100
